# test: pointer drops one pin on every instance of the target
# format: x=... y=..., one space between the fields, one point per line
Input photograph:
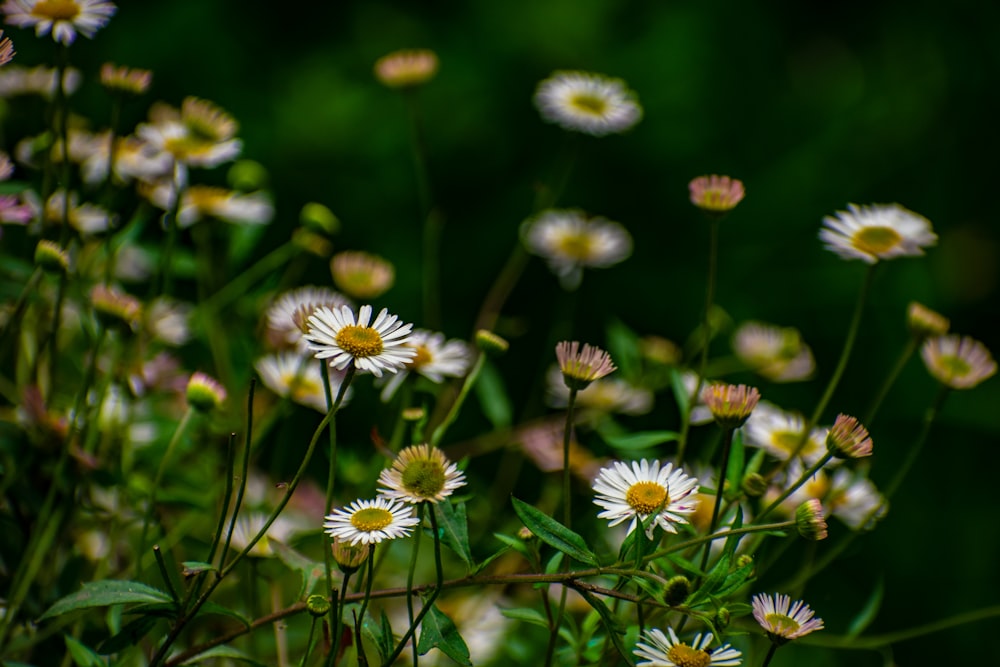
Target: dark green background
x=811 y=105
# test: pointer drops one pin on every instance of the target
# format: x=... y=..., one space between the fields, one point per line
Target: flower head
x=659 y=650
x=603 y=396
x=207 y=201
x=420 y=473
x=777 y=353
x=880 y=231
x=581 y=367
x=923 y=322
x=51 y=257
x=571 y=242
x=204 y=393
x=371 y=521
x=334 y=334
x=200 y=134
x=634 y=492
x=435 y=359
x=848 y=439
x=588 y=103
x=780 y=434
x=783 y=620
x=63 y=18
x=959 y=362
x=716 y=195
x=299 y=378
x=361 y=274
x=731 y=405
x=406 y=68
x=114 y=307
x=810 y=520
x=288 y=315
x=6 y=49
x=125 y=80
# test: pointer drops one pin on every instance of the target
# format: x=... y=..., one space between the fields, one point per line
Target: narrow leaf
x=223 y=652
x=438 y=631
x=532 y=616
x=612 y=625
x=869 y=611
x=554 y=533
x=192 y=567
x=734 y=473
x=643 y=440
x=623 y=344
x=492 y=396
x=454 y=527
x=515 y=543
x=83 y=656
x=130 y=635
x=104 y=593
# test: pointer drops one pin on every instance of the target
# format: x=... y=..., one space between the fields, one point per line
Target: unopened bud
x=677 y=590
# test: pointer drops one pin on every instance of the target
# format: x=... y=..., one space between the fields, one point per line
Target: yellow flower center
x=423 y=357
x=205 y=198
x=788 y=441
x=423 y=478
x=955 y=367
x=646 y=497
x=683 y=655
x=589 y=104
x=576 y=246
x=183 y=147
x=300 y=388
x=359 y=341
x=781 y=625
x=56 y=10
x=371 y=519
x=876 y=240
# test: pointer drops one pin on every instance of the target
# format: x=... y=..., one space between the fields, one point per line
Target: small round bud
x=677 y=590
x=730 y=404
x=490 y=343
x=362 y=275
x=407 y=68
x=319 y=218
x=349 y=558
x=924 y=322
x=754 y=484
x=318 y=605
x=848 y=439
x=809 y=520
x=312 y=242
x=414 y=414
x=743 y=560
x=204 y=393
x=51 y=258
x=247 y=176
x=525 y=533
x=722 y=618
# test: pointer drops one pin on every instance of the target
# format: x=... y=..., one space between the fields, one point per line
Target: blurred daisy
x=420 y=473
x=959 y=362
x=634 y=492
x=406 y=68
x=435 y=359
x=371 y=521
x=362 y=275
x=84 y=218
x=602 y=396
x=779 y=432
x=716 y=194
x=777 y=353
x=63 y=18
x=658 y=650
x=16 y=80
x=249 y=524
x=200 y=134
x=880 y=231
x=133 y=160
x=571 y=242
x=854 y=500
x=203 y=201
x=169 y=321
x=783 y=620
x=588 y=103
x=127 y=80
x=286 y=316
x=542 y=442
x=700 y=412
x=289 y=374
x=14 y=210
x=334 y=334
x=924 y=322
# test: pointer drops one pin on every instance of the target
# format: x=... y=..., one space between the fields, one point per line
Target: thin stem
x=567 y=437
x=897 y=369
x=309 y=642
x=770 y=654
x=727 y=443
x=164 y=460
x=246 y=278
x=244 y=475
x=794 y=487
x=339 y=622
x=409 y=575
x=162 y=283
x=368 y=587
x=453 y=411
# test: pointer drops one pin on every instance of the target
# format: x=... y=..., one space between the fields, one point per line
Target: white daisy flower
x=169 y=321
x=288 y=313
x=200 y=134
x=435 y=359
x=334 y=334
x=571 y=242
x=854 y=500
x=880 y=231
x=299 y=378
x=84 y=218
x=700 y=413
x=420 y=473
x=658 y=650
x=371 y=521
x=132 y=161
x=777 y=353
x=779 y=432
x=603 y=395
x=588 y=103
x=783 y=620
x=205 y=201
x=17 y=80
x=959 y=362
x=63 y=18
x=635 y=491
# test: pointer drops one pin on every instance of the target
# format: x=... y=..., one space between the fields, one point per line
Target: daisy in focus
x=63 y=18
x=571 y=242
x=581 y=367
x=335 y=335
x=959 y=362
x=434 y=358
x=634 y=492
x=420 y=473
x=371 y=521
x=782 y=620
x=588 y=103
x=659 y=650
x=880 y=231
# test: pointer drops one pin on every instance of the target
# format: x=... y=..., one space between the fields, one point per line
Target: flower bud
x=677 y=590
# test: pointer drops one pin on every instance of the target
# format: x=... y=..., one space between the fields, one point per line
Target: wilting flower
x=361 y=275
x=581 y=367
x=371 y=521
x=880 y=231
x=588 y=103
x=777 y=353
x=435 y=359
x=783 y=620
x=716 y=194
x=634 y=492
x=959 y=362
x=406 y=68
x=420 y=473
x=571 y=242
x=658 y=650
x=63 y=18
x=333 y=334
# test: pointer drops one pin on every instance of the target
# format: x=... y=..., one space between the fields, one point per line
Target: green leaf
x=492 y=395
x=612 y=625
x=680 y=391
x=532 y=616
x=623 y=345
x=868 y=612
x=734 y=580
x=642 y=440
x=438 y=631
x=454 y=528
x=516 y=544
x=734 y=472
x=385 y=643
x=83 y=656
x=310 y=570
x=104 y=593
x=130 y=635
x=223 y=652
x=485 y=563
x=192 y=567
x=554 y=533
x=684 y=564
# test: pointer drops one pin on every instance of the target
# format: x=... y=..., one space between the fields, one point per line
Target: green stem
x=161 y=286
x=453 y=411
x=770 y=654
x=245 y=279
x=414 y=554
x=368 y=589
x=164 y=460
x=911 y=347
x=567 y=437
x=339 y=622
x=244 y=475
x=794 y=487
x=309 y=642
x=727 y=443
x=687 y=544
